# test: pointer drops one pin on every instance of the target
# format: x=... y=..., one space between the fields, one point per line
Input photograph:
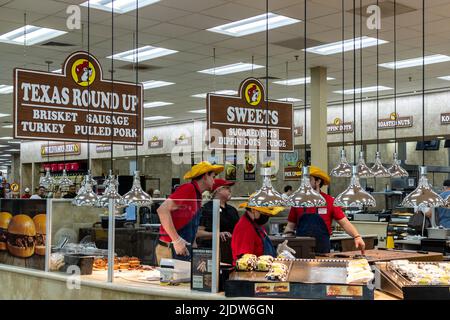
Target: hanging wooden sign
x=247 y=123
x=68 y=149
x=445 y=118
x=338 y=127
x=395 y=120
x=77 y=105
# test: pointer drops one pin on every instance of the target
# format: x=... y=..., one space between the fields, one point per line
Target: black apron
x=312 y=225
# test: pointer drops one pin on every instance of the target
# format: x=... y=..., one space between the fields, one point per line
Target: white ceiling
x=181 y=25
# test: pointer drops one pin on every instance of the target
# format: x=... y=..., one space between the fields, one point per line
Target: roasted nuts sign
x=246 y=122
x=70 y=149
x=76 y=105
x=395 y=121
x=338 y=126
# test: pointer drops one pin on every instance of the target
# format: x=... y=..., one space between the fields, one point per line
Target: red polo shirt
x=328 y=213
x=245 y=239
x=185 y=198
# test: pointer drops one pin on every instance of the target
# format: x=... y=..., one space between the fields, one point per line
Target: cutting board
x=376 y=255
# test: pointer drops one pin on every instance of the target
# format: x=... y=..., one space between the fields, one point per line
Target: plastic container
x=84 y=262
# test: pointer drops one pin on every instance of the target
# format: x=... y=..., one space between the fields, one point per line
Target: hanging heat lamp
x=378 y=169
x=355 y=195
x=343 y=169
x=423 y=195
x=86 y=197
x=267 y=196
x=305 y=195
x=47 y=181
x=137 y=196
x=396 y=170
x=64 y=182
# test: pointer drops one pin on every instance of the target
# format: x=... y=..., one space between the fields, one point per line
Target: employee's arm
x=290 y=228
x=351 y=231
x=203 y=234
x=166 y=220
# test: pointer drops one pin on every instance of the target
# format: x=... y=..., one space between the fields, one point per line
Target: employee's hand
x=359 y=244
x=224 y=236
x=180 y=247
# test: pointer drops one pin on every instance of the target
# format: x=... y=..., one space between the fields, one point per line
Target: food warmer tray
x=307 y=279
x=392 y=282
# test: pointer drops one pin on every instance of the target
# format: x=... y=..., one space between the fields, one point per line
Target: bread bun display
x=41 y=233
x=21 y=236
x=5 y=218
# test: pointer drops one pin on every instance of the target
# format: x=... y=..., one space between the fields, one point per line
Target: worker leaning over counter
x=180 y=213
x=249 y=235
x=316 y=222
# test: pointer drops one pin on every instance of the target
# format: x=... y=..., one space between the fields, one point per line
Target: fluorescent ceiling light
x=297 y=81
x=4 y=145
x=142 y=54
x=8 y=126
x=6 y=138
x=254 y=25
x=5 y=89
x=151 y=84
x=12 y=150
x=156 y=104
x=57 y=71
x=120 y=6
x=289 y=100
x=336 y=47
x=155 y=118
x=33 y=35
x=15 y=142
x=231 y=68
x=415 y=62
x=446 y=78
x=5 y=155
x=224 y=92
x=198 y=111
x=363 y=90
x=5 y=115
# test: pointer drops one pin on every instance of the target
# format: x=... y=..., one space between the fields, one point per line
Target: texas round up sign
x=77 y=105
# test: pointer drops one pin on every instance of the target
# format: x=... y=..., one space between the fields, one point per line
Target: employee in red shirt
x=249 y=235
x=316 y=222
x=180 y=213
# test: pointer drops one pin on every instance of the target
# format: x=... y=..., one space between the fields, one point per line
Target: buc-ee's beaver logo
x=253 y=94
x=83 y=72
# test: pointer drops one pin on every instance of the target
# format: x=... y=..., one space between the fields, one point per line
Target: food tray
x=307 y=279
x=393 y=282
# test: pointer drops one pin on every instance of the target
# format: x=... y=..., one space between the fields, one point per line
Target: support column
x=318 y=123
x=15 y=168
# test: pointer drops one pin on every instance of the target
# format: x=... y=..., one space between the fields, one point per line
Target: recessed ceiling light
x=142 y=54
x=120 y=6
x=336 y=47
x=289 y=100
x=155 y=104
x=297 y=81
x=5 y=89
x=231 y=68
x=57 y=71
x=363 y=90
x=8 y=126
x=198 y=111
x=156 y=118
x=33 y=35
x=224 y=92
x=151 y=84
x=415 y=62
x=254 y=24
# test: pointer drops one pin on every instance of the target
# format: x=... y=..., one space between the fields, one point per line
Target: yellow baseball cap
x=318 y=173
x=268 y=211
x=202 y=168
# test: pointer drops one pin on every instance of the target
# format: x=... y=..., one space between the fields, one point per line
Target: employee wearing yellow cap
x=316 y=222
x=249 y=235
x=180 y=213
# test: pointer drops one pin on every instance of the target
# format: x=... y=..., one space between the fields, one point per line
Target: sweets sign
x=77 y=105
x=247 y=123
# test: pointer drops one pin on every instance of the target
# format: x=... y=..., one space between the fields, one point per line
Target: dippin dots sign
x=77 y=105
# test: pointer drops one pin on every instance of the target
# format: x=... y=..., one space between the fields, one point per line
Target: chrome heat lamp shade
x=306 y=196
x=47 y=181
x=267 y=196
x=86 y=197
x=423 y=195
x=363 y=170
x=343 y=169
x=396 y=169
x=378 y=170
x=64 y=183
x=136 y=196
x=355 y=196
x=111 y=193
